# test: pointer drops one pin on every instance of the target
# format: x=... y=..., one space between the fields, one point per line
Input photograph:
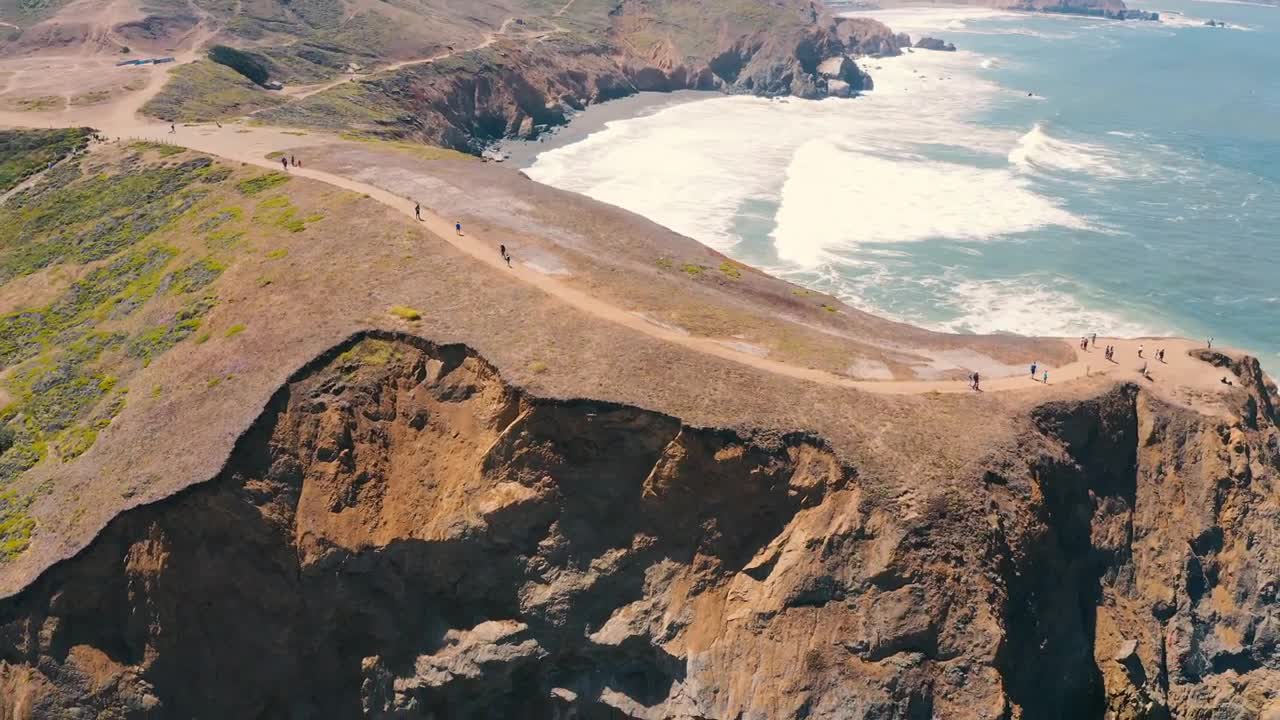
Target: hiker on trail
x=1210 y=343
x=284 y=163
x=293 y=161
x=1095 y=339
x=1139 y=350
x=1033 y=368
x=215 y=122
x=1046 y=377
x=417 y=211
x=458 y=227
x=502 y=250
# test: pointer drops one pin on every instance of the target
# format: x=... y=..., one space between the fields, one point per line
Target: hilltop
x=267 y=428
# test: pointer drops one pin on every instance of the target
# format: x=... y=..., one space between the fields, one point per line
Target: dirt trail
x=250 y=145
x=306 y=91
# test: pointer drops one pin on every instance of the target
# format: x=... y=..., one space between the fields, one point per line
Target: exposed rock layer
x=402 y=534
x=520 y=88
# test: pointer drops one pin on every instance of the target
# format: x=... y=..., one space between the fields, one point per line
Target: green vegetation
x=224 y=216
x=537 y=367
x=262 y=183
x=68 y=219
x=194 y=276
x=730 y=269
x=368 y=353
x=164 y=150
x=665 y=263
x=113 y=291
x=830 y=308
x=406 y=313
x=205 y=90
x=361 y=102
x=26 y=152
x=15 y=524
x=278 y=254
x=123 y=234
x=281 y=213
x=693 y=270
x=157 y=339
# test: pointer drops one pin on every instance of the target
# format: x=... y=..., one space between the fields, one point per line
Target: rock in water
x=928 y=43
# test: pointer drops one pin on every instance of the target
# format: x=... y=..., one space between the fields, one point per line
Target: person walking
x=458 y=228
x=1095 y=339
x=1046 y=377
x=284 y=163
x=172 y=128
x=1139 y=350
x=1210 y=343
x=293 y=161
x=417 y=211
x=1033 y=368
x=977 y=382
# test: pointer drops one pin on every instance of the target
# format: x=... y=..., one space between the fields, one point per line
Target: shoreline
x=521 y=154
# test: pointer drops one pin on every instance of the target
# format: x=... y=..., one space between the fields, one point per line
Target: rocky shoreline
x=511 y=91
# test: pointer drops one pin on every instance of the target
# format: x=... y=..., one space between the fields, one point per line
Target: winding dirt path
x=249 y=144
x=306 y=91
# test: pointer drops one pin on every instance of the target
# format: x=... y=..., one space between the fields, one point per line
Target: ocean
x=1058 y=175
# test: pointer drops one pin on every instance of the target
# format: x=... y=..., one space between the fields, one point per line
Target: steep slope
x=403 y=534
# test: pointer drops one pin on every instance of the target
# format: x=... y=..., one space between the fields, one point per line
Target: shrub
x=406 y=313
x=262 y=183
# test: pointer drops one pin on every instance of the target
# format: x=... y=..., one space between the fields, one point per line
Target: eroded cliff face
x=402 y=534
x=521 y=87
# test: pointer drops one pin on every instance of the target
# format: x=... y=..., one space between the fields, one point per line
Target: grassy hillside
x=204 y=90
x=23 y=153
x=129 y=244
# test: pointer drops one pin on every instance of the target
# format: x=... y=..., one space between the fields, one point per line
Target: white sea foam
x=1037 y=151
x=853 y=181
x=1174 y=18
x=1241 y=2
x=1026 y=307
x=895 y=201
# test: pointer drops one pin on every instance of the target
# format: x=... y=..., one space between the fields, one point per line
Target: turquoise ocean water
x=1058 y=175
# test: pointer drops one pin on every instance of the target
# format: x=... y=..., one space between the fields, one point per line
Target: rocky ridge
x=519 y=89
x=404 y=534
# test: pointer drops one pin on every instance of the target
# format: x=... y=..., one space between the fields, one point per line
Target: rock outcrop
x=511 y=88
x=867 y=36
x=402 y=534
x=928 y=43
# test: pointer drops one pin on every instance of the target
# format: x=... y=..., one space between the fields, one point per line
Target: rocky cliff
x=518 y=87
x=404 y=534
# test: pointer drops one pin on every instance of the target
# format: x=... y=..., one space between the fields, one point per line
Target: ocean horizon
x=1057 y=175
